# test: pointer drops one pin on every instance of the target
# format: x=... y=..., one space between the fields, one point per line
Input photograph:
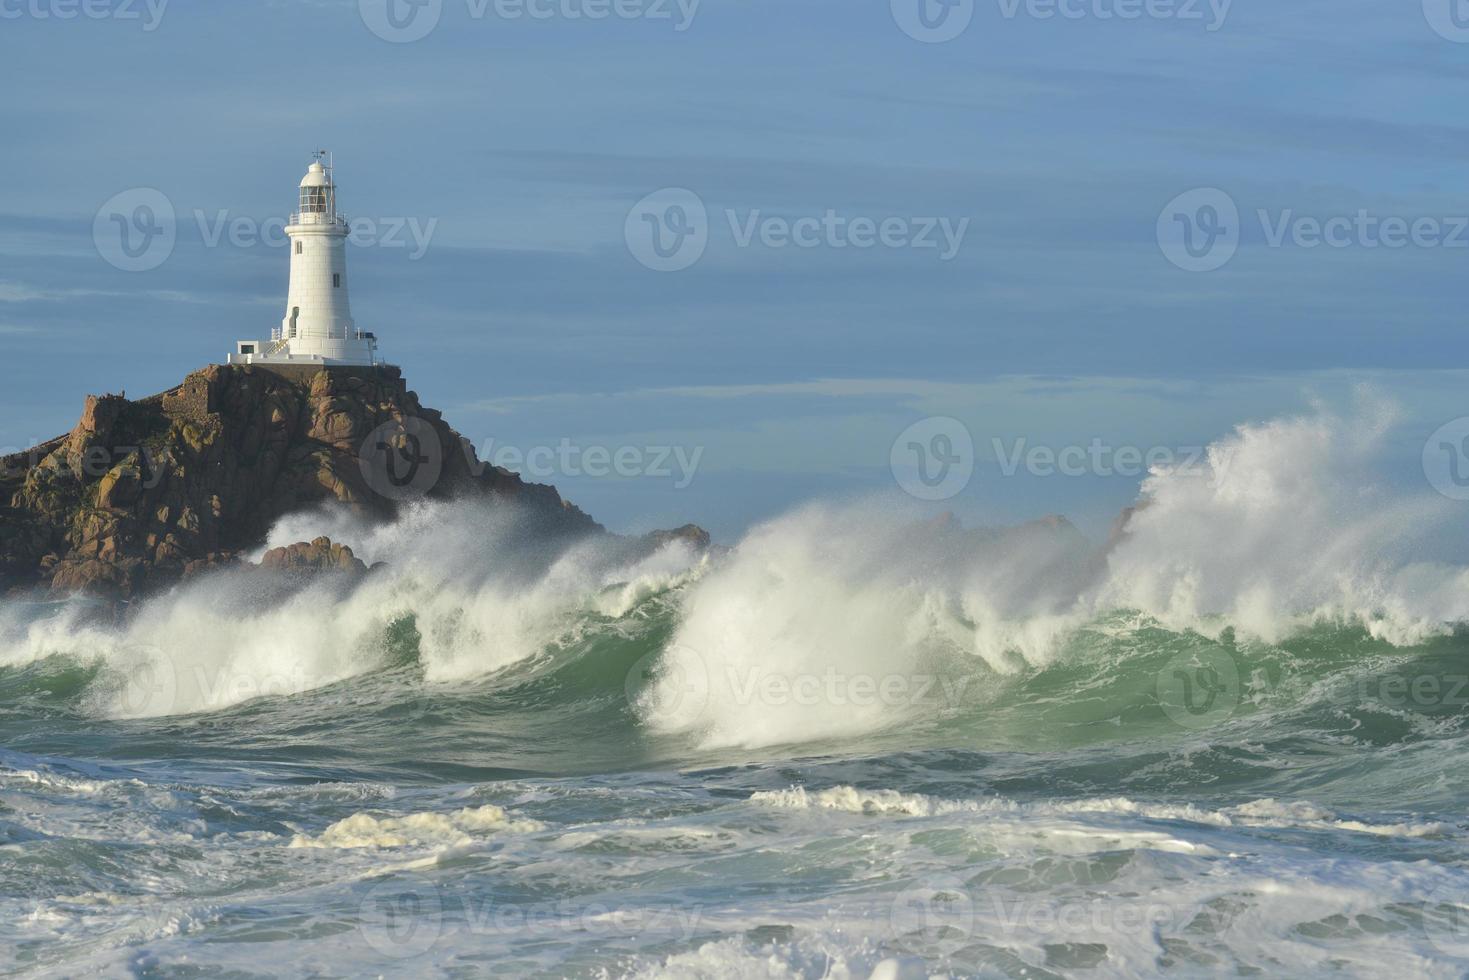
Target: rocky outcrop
x=690 y=534
x=320 y=555
x=144 y=493
x=1122 y=525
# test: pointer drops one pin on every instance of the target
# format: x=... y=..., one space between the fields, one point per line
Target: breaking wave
x=829 y=622
x=858 y=744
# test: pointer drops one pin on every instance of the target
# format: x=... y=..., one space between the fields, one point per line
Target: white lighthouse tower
x=317 y=327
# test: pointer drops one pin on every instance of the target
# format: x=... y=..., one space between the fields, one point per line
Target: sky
x=1048 y=223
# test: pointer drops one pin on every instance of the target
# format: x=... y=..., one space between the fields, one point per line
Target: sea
x=858 y=742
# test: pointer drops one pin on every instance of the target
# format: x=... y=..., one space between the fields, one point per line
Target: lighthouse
x=317 y=328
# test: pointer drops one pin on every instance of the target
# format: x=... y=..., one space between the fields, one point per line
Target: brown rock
x=691 y=534
x=320 y=555
x=143 y=492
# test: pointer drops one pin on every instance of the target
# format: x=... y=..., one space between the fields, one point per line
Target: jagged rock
x=143 y=493
x=691 y=534
x=208 y=563
x=1121 y=526
x=320 y=555
x=96 y=576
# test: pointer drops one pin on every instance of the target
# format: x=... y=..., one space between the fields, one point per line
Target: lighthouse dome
x=316 y=176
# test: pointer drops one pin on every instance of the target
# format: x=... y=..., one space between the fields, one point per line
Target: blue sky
x=525 y=143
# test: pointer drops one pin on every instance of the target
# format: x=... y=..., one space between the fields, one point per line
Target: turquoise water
x=852 y=746
x=1050 y=822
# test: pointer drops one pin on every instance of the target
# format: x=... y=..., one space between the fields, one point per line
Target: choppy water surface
x=851 y=747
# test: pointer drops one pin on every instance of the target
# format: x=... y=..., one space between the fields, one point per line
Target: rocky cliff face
x=142 y=494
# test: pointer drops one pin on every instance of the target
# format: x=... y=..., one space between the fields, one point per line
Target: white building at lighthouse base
x=360 y=349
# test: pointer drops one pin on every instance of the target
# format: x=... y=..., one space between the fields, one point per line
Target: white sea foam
x=831 y=621
x=1288 y=523
x=733 y=959
x=56 y=783
x=1298 y=814
x=481 y=598
x=452 y=829
x=1285 y=525
x=166 y=873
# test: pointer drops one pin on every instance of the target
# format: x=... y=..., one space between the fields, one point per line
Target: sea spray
x=1286 y=523
x=1281 y=526
x=477 y=597
x=919 y=750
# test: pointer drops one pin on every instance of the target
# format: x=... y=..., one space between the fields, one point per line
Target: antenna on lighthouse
x=328 y=159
